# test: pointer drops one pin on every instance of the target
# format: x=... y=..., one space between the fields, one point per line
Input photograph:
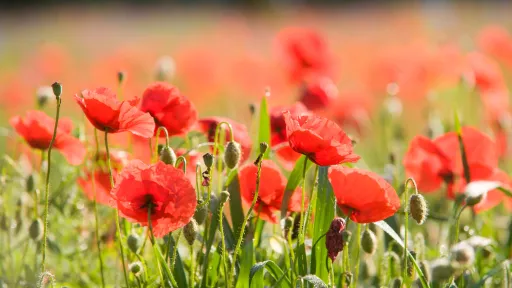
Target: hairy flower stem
x=157 y=136
x=96 y=218
x=358 y=255
x=118 y=227
x=223 y=242
x=153 y=243
x=406 y=233
x=246 y=218
x=47 y=188
x=303 y=204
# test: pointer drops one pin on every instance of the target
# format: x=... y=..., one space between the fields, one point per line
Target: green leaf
x=293 y=181
x=246 y=263
x=264 y=126
x=179 y=268
x=164 y=269
x=505 y=191
x=256 y=274
x=465 y=165
x=491 y=273
x=384 y=226
x=235 y=203
x=315 y=281
x=324 y=213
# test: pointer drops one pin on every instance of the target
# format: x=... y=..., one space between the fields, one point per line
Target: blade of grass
x=293 y=181
x=264 y=125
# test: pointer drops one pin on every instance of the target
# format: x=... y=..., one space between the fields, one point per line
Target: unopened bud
x=473 y=200
x=232 y=154
x=190 y=231
x=36 y=229
x=334 y=238
x=57 y=89
x=397 y=282
x=120 y=77
x=201 y=212
x=368 y=242
x=133 y=242
x=263 y=147
x=208 y=160
x=418 y=208
x=135 y=268
x=347 y=236
x=30 y=184
x=168 y=156
x=224 y=197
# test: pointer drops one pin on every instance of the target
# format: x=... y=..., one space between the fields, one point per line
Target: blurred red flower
x=279 y=139
x=159 y=187
x=169 y=108
x=364 y=195
x=271 y=190
x=320 y=139
x=106 y=113
x=484 y=73
x=318 y=94
x=37 y=130
x=494 y=197
x=208 y=126
x=495 y=41
x=101 y=176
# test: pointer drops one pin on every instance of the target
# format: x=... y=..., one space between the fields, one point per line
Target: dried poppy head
x=334 y=238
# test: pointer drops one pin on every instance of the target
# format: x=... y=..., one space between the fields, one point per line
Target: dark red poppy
x=279 y=139
x=209 y=125
x=37 y=130
x=106 y=113
x=169 y=108
x=304 y=53
x=318 y=93
x=159 y=187
x=320 y=139
x=364 y=195
x=101 y=186
x=271 y=191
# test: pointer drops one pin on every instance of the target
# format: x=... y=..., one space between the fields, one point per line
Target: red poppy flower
x=494 y=197
x=169 y=108
x=102 y=186
x=209 y=125
x=497 y=42
x=319 y=94
x=364 y=195
x=279 y=139
x=162 y=188
x=271 y=191
x=484 y=72
x=37 y=129
x=106 y=113
x=320 y=139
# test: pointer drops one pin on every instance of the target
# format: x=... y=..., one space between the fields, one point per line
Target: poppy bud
x=30 y=184
x=135 y=268
x=208 y=160
x=133 y=242
x=224 y=197
x=397 y=282
x=418 y=208
x=168 y=156
x=473 y=200
x=263 y=147
x=346 y=278
x=463 y=253
x=334 y=238
x=165 y=68
x=190 y=231
x=201 y=212
x=120 y=77
x=57 y=89
x=425 y=268
x=43 y=95
x=35 y=230
x=347 y=236
x=368 y=242
x=288 y=223
x=232 y=154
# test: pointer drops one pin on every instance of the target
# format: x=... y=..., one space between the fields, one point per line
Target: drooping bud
x=224 y=197
x=334 y=238
x=190 y=231
x=368 y=241
x=165 y=68
x=397 y=282
x=57 y=89
x=168 y=156
x=133 y=242
x=120 y=77
x=232 y=154
x=418 y=208
x=43 y=95
x=208 y=160
x=136 y=268
x=263 y=147
x=30 y=184
x=35 y=230
x=472 y=200
x=201 y=212
x=463 y=253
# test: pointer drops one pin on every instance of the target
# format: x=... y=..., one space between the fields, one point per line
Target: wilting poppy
x=159 y=187
x=106 y=113
x=320 y=139
x=100 y=175
x=279 y=139
x=169 y=108
x=363 y=195
x=208 y=126
x=37 y=130
x=271 y=190
x=319 y=93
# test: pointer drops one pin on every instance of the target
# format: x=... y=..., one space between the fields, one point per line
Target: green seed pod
x=418 y=208
x=347 y=236
x=263 y=147
x=133 y=242
x=30 y=184
x=201 y=212
x=57 y=89
x=135 y=267
x=232 y=154
x=35 y=230
x=368 y=242
x=397 y=282
x=168 y=156
x=208 y=160
x=224 y=197
x=190 y=231
x=473 y=200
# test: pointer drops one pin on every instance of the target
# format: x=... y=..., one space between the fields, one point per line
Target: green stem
x=152 y=239
x=175 y=250
x=161 y=128
x=47 y=189
x=192 y=271
x=96 y=218
x=223 y=242
x=457 y=220
x=358 y=255
x=303 y=203
x=118 y=227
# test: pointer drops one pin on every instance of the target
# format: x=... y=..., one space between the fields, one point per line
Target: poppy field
x=226 y=150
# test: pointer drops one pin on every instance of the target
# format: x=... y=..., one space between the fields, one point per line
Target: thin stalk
x=118 y=227
x=47 y=189
x=406 y=233
x=358 y=255
x=157 y=136
x=191 y=277
x=303 y=203
x=152 y=239
x=96 y=218
x=175 y=250
x=223 y=242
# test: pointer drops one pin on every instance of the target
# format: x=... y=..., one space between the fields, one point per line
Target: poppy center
x=148 y=203
x=447 y=176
